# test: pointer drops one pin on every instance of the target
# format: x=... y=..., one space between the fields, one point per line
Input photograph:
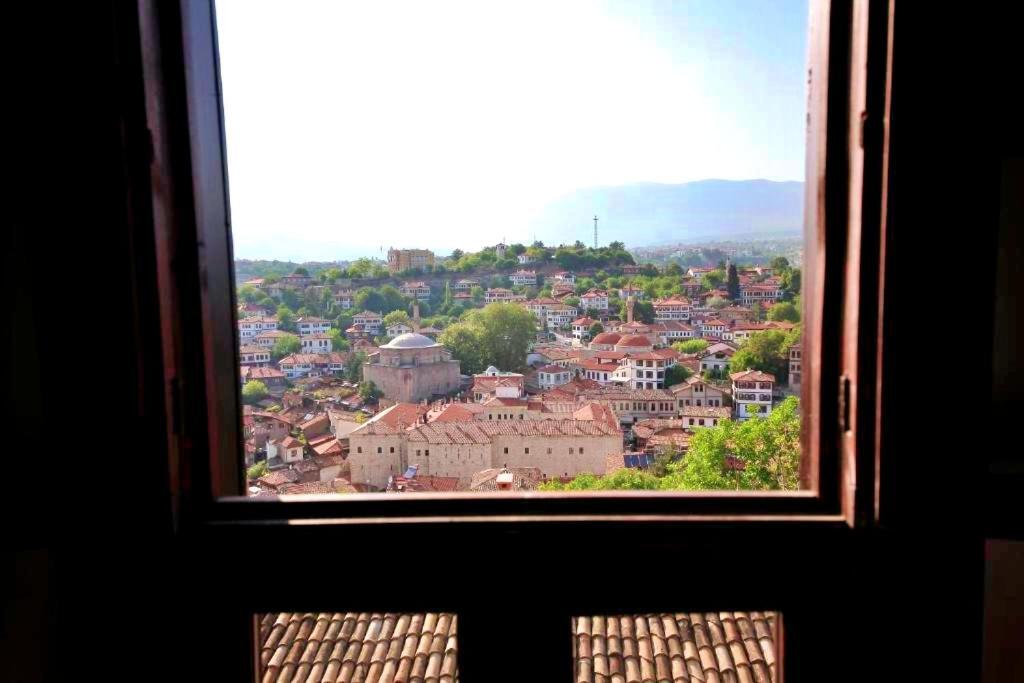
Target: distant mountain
x=655 y=213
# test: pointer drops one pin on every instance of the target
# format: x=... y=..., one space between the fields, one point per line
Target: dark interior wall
x=93 y=579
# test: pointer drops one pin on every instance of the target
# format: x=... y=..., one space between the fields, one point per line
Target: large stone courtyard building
x=379 y=450
x=412 y=367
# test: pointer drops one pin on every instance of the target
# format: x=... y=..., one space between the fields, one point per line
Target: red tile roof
x=634 y=340
x=607 y=338
x=552 y=368
x=344 y=647
x=751 y=376
x=687 y=646
x=478 y=432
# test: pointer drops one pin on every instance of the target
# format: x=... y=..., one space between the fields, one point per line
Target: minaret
x=630 y=303
x=595 y=232
x=415 y=316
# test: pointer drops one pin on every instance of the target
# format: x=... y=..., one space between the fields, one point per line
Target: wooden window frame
x=848 y=74
x=843 y=209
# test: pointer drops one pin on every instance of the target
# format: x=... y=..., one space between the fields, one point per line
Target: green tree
x=780 y=264
x=595 y=329
x=285 y=319
x=643 y=312
x=457 y=254
x=368 y=299
x=507 y=330
x=625 y=479
x=368 y=391
x=791 y=282
x=674 y=269
x=732 y=282
x=691 y=346
x=301 y=271
x=766 y=351
x=254 y=391
x=784 y=312
x=676 y=374
x=285 y=346
x=464 y=342
x=248 y=294
x=713 y=279
x=397 y=317
x=256 y=471
x=717 y=302
x=353 y=371
x=338 y=341
x=760 y=454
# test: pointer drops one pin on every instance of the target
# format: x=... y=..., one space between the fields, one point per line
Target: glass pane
x=685 y=646
x=350 y=646
x=488 y=246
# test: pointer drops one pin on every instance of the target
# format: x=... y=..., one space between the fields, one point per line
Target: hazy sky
x=353 y=126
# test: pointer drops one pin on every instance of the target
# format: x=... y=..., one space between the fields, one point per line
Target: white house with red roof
x=316 y=343
x=764 y=293
x=287 y=450
x=716 y=357
x=752 y=393
x=416 y=290
x=581 y=326
x=369 y=321
x=672 y=308
x=250 y=328
x=551 y=376
x=594 y=298
x=256 y=356
x=524 y=278
x=499 y=295
x=345 y=298
x=309 y=326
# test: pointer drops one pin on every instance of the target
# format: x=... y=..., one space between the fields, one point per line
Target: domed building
x=634 y=343
x=605 y=341
x=412 y=367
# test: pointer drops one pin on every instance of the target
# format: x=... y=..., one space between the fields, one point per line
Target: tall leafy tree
x=760 y=454
x=254 y=391
x=285 y=346
x=353 y=371
x=338 y=341
x=765 y=351
x=395 y=318
x=368 y=299
x=691 y=346
x=784 y=311
x=465 y=345
x=506 y=330
x=676 y=374
x=285 y=319
x=595 y=329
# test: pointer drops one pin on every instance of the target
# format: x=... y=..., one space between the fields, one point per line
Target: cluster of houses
x=602 y=403
x=502 y=428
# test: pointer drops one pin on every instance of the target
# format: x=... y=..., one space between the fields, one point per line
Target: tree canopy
x=254 y=391
x=784 y=311
x=760 y=454
x=691 y=346
x=766 y=351
x=285 y=346
x=498 y=334
x=676 y=374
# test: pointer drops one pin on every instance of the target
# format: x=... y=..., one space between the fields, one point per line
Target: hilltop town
x=520 y=368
